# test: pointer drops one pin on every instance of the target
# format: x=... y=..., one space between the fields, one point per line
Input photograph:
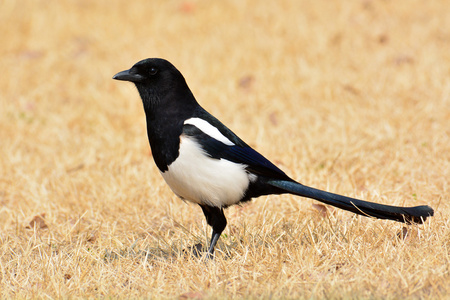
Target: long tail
x=417 y=214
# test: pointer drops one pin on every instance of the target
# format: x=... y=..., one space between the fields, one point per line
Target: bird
x=206 y=163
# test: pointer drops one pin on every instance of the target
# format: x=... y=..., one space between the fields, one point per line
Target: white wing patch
x=196 y=177
x=209 y=130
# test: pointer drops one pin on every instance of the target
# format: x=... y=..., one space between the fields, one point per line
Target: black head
x=150 y=71
x=155 y=79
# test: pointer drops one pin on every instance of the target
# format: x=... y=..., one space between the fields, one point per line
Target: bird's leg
x=214 y=238
x=216 y=219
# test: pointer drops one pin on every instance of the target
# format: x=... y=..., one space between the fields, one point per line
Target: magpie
x=204 y=162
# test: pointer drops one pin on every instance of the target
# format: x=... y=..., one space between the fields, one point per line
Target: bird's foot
x=198 y=251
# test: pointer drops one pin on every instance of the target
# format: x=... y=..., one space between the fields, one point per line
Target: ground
x=348 y=96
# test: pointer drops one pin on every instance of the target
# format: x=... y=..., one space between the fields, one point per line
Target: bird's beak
x=129 y=75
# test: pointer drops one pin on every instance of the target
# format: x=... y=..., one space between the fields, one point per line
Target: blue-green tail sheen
x=417 y=214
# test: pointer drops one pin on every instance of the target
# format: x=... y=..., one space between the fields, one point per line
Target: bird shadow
x=197 y=251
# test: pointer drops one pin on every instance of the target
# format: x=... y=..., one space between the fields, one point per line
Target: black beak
x=129 y=75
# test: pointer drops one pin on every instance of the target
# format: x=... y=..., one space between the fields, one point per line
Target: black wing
x=240 y=153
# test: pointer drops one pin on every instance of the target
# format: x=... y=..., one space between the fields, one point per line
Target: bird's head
x=149 y=71
x=155 y=78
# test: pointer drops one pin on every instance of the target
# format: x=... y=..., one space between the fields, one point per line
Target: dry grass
x=349 y=96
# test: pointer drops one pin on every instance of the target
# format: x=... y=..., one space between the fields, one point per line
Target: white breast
x=196 y=177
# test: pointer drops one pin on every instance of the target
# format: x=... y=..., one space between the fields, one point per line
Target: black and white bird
x=204 y=162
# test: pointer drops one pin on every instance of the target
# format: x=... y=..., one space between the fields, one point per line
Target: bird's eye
x=153 y=71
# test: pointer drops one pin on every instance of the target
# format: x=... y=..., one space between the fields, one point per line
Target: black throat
x=165 y=114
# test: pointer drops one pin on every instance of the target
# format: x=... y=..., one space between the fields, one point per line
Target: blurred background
x=308 y=83
x=347 y=96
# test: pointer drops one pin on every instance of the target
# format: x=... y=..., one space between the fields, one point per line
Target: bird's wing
x=238 y=153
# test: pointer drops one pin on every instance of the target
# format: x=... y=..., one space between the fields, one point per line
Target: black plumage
x=205 y=162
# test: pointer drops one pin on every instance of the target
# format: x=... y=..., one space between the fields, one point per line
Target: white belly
x=198 y=178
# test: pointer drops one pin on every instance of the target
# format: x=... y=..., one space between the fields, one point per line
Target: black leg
x=214 y=238
x=216 y=219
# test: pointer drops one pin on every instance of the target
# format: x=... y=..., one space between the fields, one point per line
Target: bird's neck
x=169 y=110
x=165 y=116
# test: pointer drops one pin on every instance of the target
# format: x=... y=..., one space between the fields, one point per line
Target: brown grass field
x=348 y=96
